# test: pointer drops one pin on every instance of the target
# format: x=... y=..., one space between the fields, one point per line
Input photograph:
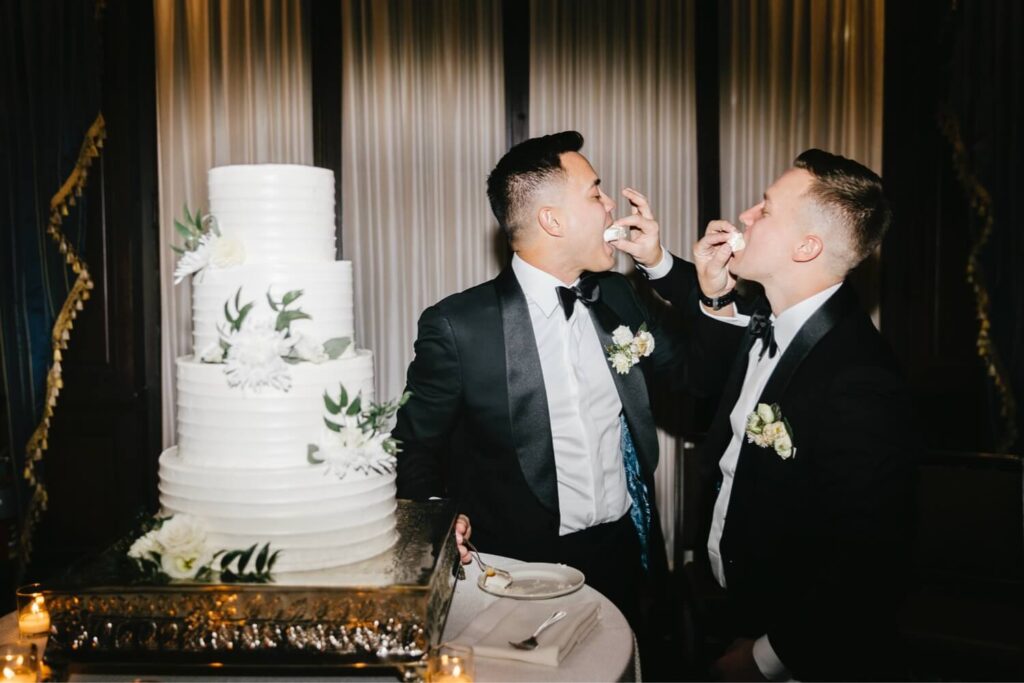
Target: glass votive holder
x=19 y=662
x=33 y=617
x=450 y=663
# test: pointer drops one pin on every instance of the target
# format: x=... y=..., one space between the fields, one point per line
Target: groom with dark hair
x=516 y=412
x=811 y=451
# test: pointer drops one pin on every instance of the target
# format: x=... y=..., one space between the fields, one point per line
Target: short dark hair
x=853 y=193
x=522 y=170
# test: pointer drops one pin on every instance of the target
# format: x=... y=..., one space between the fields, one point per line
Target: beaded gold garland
x=61 y=334
x=981 y=205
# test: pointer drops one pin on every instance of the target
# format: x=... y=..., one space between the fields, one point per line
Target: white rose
x=621 y=362
x=309 y=349
x=754 y=424
x=760 y=440
x=765 y=412
x=622 y=336
x=182 y=541
x=784 y=447
x=226 y=252
x=214 y=353
x=143 y=547
x=644 y=344
x=774 y=431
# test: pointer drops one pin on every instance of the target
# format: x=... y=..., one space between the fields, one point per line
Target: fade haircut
x=851 y=194
x=523 y=170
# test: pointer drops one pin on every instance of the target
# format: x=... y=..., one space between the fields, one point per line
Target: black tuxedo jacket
x=477 y=427
x=815 y=546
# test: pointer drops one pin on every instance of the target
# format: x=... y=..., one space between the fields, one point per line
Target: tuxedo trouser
x=609 y=556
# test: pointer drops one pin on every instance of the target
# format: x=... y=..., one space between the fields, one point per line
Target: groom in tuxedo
x=516 y=412
x=811 y=452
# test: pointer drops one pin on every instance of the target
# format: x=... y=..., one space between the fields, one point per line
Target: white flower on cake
x=213 y=353
x=356 y=439
x=768 y=429
x=254 y=358
x=308 y=349
x=183 y=549
x=627 y=349
x=204 y=246
x=226 y=252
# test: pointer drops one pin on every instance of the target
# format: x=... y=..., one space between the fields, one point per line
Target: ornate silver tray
x=382 y=612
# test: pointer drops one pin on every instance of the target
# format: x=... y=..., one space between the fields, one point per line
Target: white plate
x=535 y=581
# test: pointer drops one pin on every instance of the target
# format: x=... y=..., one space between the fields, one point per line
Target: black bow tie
x=586 y=291
x=761 y=327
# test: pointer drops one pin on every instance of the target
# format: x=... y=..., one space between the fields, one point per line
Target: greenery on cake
x=176 y=548
x=256 y=351
x=357 y=437
x=204 y=245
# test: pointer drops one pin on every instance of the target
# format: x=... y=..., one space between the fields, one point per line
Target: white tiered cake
x=251 y=397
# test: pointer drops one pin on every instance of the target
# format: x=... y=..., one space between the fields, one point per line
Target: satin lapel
x=632 y=390
x=816 y=327
x=530 y=421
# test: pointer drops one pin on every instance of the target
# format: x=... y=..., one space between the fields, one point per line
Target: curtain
x=423 y=123
x=233 y=87
x=53 y=129
x=621 y=72
x=796 y=74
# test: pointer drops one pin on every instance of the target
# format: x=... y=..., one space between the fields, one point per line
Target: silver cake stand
x=384 y=612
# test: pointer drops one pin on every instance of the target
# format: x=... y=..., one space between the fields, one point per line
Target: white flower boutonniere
x=627 y=349
x=768 y=429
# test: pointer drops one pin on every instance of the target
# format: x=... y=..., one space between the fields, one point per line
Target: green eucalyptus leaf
x=291 y=296
x=332 y=407
x=330 y=425
x=261 y=559
x=182 y=230
x=229 y=557
x=273 y=561
x=354 y=408
x=336 y=346
x=243 y=560
x=242 y=313
x=273 y=304
x=311 y=450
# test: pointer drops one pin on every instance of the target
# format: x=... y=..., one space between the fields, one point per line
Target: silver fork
x=488 y=570
x=531 y=642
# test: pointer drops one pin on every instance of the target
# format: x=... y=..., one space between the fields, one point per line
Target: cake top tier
x=282 y=213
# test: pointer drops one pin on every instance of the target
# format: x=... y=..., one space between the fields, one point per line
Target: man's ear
x=808 y=249
x=547 y=219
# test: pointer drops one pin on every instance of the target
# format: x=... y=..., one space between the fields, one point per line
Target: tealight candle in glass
x=19 y=662
x=33 y=618
x=450 y=663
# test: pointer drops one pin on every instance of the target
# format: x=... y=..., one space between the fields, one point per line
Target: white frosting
x=282 y=213
x=326 y=296
x=736 y=241
x=616 y=232
x=224 y=427
x=315 y=519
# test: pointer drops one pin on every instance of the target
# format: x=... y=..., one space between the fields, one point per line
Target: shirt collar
x=538 y=285
x=789 y=322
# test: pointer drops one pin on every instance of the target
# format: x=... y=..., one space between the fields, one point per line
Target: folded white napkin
x=490 y=631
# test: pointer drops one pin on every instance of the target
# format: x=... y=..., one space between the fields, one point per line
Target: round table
x=607 y=654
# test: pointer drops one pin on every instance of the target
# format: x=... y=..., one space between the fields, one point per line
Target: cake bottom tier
x=316 y=520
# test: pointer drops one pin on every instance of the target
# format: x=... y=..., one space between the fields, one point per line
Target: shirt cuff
x=737 y=319
x=768 y=662
x=661 y=268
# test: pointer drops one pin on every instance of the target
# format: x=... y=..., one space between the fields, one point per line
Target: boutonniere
x=627 y=349
x=767 y=428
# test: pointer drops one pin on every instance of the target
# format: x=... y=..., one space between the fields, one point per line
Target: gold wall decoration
x=981 y=207
x=61 y=334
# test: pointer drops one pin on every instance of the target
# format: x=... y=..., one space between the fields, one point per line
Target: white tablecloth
x=608 y=654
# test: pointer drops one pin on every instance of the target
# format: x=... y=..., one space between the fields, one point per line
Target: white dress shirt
x=759 y=371
x=583 y=405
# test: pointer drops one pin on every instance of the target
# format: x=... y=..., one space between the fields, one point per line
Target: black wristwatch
x=717 y=303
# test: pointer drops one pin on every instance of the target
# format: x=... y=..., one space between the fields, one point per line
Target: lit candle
x=451 y=670
x=34 y=619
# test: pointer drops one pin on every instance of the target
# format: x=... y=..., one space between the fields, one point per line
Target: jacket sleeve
x=864 y=482
x=425 y=423
x=708 y=347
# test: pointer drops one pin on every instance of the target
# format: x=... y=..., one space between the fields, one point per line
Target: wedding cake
x=278 y=441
